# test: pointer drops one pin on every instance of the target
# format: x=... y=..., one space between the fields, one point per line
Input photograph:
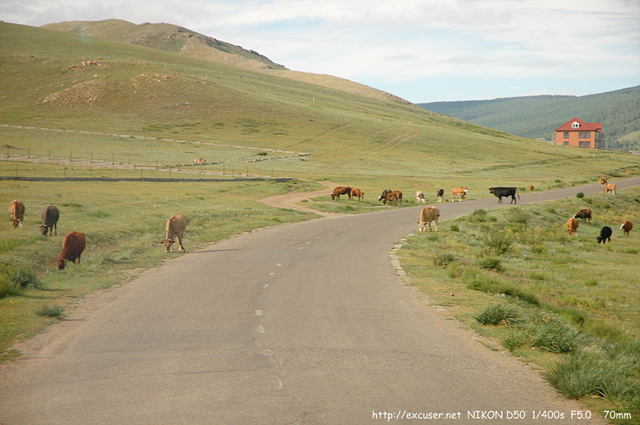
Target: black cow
x=384 y=194
x=605 y=234
x=505 y=192
x=50 y=216
x=440 y=194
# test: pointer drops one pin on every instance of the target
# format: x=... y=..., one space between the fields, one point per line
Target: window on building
x=575 y=124
x=566 y=143
x=581 y=144
x=587 y=135
x=566 y=134
x=587 y=144
x=581 y=135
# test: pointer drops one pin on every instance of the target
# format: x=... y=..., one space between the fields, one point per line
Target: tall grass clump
x=14 y=280
x=500 y=242
x=51 y=311
x=500 y=314
x=518 y=216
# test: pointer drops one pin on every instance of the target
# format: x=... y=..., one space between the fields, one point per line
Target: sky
x=420 y=50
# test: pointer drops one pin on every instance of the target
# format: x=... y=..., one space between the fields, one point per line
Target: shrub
x=579 y=195
x=491 y=263
x=22 y=277
x=481 y=216
x=500 y=314
x=515 y=339
x=443 y=260
x=550 y=333
x=500 y=242
x=454 y=227
x=51 y=311
x=7 y=288
x=518 y=216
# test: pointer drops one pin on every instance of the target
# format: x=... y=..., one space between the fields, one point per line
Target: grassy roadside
x=570 y=305
x=124 y=223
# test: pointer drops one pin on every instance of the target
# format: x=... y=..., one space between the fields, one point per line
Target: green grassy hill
x=68 y=81
x=538 y=116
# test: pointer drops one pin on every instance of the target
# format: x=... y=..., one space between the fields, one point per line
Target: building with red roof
x=580 y=134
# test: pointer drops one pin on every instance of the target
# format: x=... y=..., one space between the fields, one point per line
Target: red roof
x=582 y=126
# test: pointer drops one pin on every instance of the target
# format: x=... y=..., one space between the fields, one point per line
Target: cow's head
x=61 y=263
x=168 y=244
x=43 y=229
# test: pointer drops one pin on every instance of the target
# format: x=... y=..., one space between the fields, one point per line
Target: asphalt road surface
x=305 y=323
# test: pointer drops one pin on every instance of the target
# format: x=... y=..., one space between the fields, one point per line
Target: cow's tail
x=518 y=193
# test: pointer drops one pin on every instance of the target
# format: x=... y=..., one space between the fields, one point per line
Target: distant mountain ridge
x=538 y=116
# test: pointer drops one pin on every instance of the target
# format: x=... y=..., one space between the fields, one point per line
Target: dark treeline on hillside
x=538 y=116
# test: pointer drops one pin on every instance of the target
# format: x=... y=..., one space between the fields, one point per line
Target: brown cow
x=355 y=192
x=531 y=187
x=626 y=227
x=175 y=228
x=460 y=191
x=200 y=161
x=584 y=214
x=428 y=215
x=572 y=226
x=16 y=212
x=72 y=247
x=392 y=197
x=50 y=216
x=341 y=190
x=603 y=182
x=610 y=187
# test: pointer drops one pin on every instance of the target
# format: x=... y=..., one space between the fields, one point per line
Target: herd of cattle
x=75 y=242
x=430 y=215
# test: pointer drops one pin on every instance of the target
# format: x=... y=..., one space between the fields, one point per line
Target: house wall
x=574 y=139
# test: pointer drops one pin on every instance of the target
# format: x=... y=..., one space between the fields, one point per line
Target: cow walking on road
x=501 y=192
x=428 y=215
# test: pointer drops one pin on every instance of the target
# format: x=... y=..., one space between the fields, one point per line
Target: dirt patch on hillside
x=292 y=200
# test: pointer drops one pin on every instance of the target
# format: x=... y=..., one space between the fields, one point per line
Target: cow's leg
x=180 y=242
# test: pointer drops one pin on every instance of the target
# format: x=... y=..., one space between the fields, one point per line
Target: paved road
x=300 y=324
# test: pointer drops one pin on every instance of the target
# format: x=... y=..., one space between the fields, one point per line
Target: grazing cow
x=531 y=188
x=584 y=214
x=16 y=212
x=500 y=192
x=572 y=226
x=460 y=191
x=50 y=216
x=341 y=190
x=175 y=228
x=626 y=227
x=420 y=197
x=355 y=192
x=384 y=194
x=610 y=187
x=603 y=182
x=392 y=197
x=605 y=233
x=72 y=247
x=427 y=216
x=200 y=161
x=440 y=194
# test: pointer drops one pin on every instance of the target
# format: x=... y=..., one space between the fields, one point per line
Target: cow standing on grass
x=175 y=227
x=584 y=214
x=356 y=193
x=420 y=197
x=50 y=217
x=16 y=212
x=440 y=194
x=605 y=234
x=341 y=190
x=626 y=227
x=572 y=226
x=72 y=246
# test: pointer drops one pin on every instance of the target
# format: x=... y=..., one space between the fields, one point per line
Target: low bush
x=51 y=311
x=500 y=314
x=491 y=263
x=518 y=216
x=443 y=260
x=500 y=242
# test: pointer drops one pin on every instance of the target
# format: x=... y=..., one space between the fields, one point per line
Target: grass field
x=515 y=276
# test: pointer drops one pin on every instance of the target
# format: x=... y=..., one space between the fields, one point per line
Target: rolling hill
x=110 y=94
x=538 y=116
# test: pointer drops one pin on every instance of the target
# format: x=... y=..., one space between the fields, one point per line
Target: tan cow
x=16 y=212
x=175 y=228
x=572 y=226
x=72 y=246
x=461 y=192
x=610 y=187
x=626 y=227
x=420 y=197
x=603 y=182
x=427 y=216
x=355 y=192
x=200 y=161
